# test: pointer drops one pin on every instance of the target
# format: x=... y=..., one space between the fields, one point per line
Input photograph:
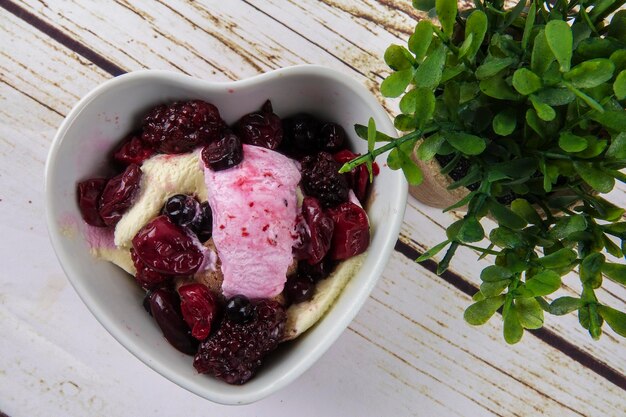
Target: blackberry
x=182 y=126
x=235 y=352
x=321 y=179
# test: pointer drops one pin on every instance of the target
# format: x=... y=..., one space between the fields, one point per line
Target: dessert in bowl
x=94 y=129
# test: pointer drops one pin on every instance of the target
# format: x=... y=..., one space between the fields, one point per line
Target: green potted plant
x=517 y=115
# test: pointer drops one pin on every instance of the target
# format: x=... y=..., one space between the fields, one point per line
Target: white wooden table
x=408 y=352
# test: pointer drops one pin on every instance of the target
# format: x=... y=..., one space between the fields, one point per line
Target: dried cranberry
x=320 y=227
x=224 y=153
x=199 y=307
x=164 y=308
x=262 y=128
x=167 y=248
x=89 y=192
x=351 y=235
x=331 y=137
x=133 y=151
x=181 y=209
x=202 y=224
x=235 y=352
x=239 y=309
x=321 y=179
x=119 y=194
x=301 y=132
x=144 y=275
x=181 y=126
x=298 y=289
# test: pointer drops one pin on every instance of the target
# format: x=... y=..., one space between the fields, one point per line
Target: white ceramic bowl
x=98 y=122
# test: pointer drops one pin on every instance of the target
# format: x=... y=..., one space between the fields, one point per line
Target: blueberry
x=181 y=209
x=239 y=309
x=202 y=225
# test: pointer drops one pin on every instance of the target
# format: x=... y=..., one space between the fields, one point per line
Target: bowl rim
x=238 y=395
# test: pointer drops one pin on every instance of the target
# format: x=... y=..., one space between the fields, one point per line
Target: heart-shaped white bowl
x=97 y=124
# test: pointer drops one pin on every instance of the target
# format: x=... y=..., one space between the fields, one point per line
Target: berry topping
x=144 y=275
x=133 y=151
x=239 y=309
x=316 y=272
x=89 y=192
x=351 y=235
x=320 y=227
x=321 y=179
x=181 y=209
x=224 y=153
x=331 y=137
x=164 y=308
x=199 y=307
x=298 y=289
x=359 y=177
x=202 y=225
x=181 y=126
x=262 y=128
x=119 y=194
x=236 y=350
x=167 y=248
x=301 y=132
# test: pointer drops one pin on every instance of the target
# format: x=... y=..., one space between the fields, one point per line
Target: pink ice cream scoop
x=254 y=212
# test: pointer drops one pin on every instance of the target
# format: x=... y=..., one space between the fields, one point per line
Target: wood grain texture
x=408 y=352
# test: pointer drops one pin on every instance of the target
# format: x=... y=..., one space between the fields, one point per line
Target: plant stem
x=483 y=250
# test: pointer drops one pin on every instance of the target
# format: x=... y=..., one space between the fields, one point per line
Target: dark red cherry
x=262 y=128
x=224 y=153
x=133 y=151
x=119 y=194
x=199 y=307
x=351 y=235
x=164 y=306
x=320 y=227
x=168 y=248
x=145 y=276
x=89 y=192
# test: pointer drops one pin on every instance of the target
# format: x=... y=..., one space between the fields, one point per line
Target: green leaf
x=506 y=238
x=529 y=313
x=465 y=46
x=560 y=258
x=361 y=132
x=613 y=119
x=542 y=55
x=504 y=123
x=428 y=74
x=617 y=27
x=424 y=5
x=471 y=231
x=494 y=273
x=408 y=101
x=497 y=87
x=615 y=272
x=429 y=147
x=523 y=209
x=395 y=84
x=446 y=12
x=591 y=269
x=618 y=58
x=492 y=67
x=476 y=26
x=619 y=86
x=528 y=26
x=432 y=251
x=565 y=305
x=612 y=248
x=544 y=283
x=597 y=179
x=567 y=225
x=570 y=142
x=586 y=99
x=590 y=73
x=411 y=171
x=559 y=38
x=481 y=311
x=424 y=106
x=398 y=57
x=617 y=149
x=495 y=288
x=513 y=329
x=526 y=82
x=555 y=96
x=420 y=40
x=405 y=123
x=545 y=112
x=614 y=318
x=505 y=217
x=466 y=143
